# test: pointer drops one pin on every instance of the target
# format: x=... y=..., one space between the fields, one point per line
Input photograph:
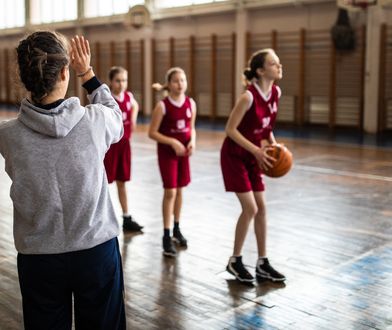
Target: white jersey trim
x=267 y=96
x=163 y=107
x=179 y=103
x=279 y=91
x=120 y=98
x=130 y=96
x=250 y=99
x=193 y=104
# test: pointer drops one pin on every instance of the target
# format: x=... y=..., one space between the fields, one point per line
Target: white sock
x=261 y=260
x=234 y=258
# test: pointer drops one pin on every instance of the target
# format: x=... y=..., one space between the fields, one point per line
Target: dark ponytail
x=41 y=57
x=249 y=75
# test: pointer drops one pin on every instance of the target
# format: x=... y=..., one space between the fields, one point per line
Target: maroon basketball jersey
x=126 y=107
x=259 y=120
x=176 y=121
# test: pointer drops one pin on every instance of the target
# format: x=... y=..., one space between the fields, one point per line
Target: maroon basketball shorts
x=118 y=161
x=175 y=171
x=240 y=170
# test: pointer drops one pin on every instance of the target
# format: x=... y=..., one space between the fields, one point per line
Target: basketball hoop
x=138 y=16
x=362 y=4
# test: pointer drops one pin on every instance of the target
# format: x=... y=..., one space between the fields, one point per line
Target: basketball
x=284 y=160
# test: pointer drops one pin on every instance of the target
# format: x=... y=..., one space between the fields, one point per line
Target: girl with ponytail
x=244 y=157
x=173 y=127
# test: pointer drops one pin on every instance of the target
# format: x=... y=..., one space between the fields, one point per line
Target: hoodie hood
x=56 y=122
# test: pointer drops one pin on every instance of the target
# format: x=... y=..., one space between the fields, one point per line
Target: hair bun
x=248 y=74
x=33 y=53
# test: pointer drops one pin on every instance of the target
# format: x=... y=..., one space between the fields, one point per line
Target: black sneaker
x=266 y=271
x=130 y=225
x=179 y=239
x=237 y=268
x=168 y=247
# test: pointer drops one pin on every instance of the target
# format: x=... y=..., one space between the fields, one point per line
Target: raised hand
x=80 y=55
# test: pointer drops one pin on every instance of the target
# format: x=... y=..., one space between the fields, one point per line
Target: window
x=94 y=8
x=48 y=11
x=176 y=3
x=12 y=14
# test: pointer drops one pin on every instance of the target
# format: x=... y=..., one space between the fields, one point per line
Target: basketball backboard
x=356 y=5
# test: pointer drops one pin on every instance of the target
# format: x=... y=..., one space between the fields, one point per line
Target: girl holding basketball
x=244 y=157
x=173 y=127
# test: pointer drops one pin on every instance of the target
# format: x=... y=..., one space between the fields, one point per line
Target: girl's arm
x=192 y=143
x=80 y=55
x=153 y=132
x=135 y=112
x=270 y=141
x=237 y=114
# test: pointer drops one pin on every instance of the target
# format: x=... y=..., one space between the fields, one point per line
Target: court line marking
x=357 y=258
x=323 y=170
x=315 y=169
x=320 y=141
x=297 y=226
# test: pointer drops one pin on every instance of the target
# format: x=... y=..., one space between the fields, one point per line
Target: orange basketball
x=284 y=160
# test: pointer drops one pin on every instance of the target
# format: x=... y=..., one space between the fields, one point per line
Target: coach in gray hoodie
x=65 y=229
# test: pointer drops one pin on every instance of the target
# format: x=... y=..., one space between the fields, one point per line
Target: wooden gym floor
x=330 y=233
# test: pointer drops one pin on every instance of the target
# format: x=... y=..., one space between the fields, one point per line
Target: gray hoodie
x=59 y=186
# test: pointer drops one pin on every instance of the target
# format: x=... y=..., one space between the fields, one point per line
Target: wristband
x=84 y=73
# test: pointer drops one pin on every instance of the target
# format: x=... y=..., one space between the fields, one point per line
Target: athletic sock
x=176 y=225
